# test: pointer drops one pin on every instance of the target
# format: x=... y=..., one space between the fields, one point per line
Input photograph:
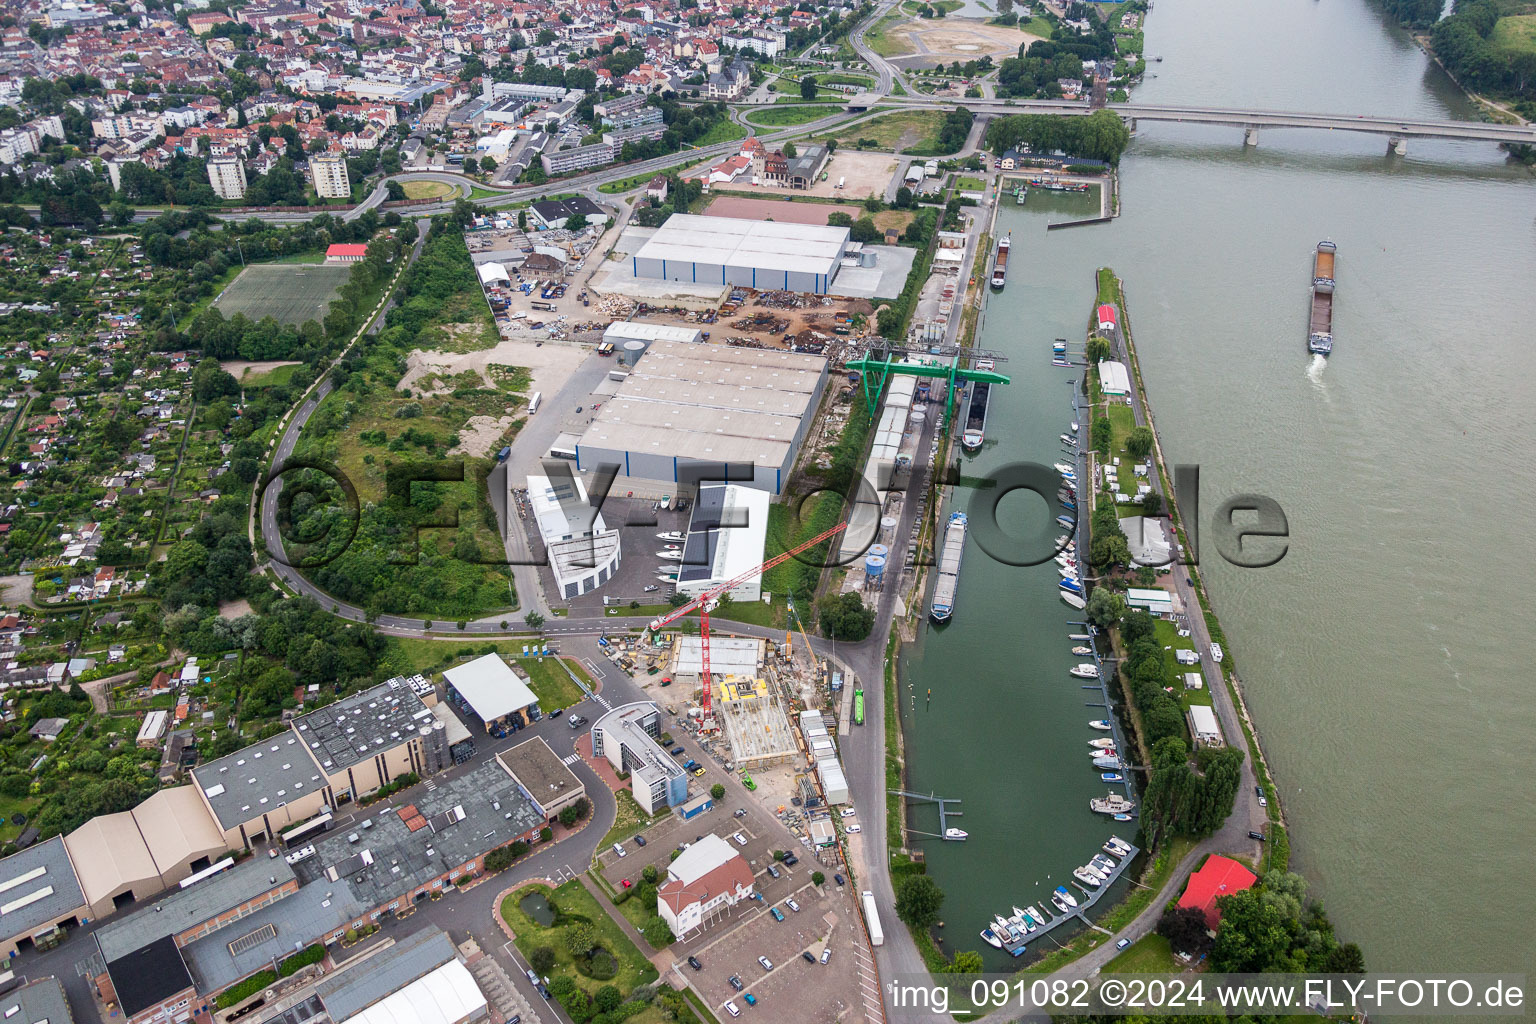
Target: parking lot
x=817 y=992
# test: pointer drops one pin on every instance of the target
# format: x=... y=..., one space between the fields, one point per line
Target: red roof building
x=1107 y=317
x=345 y=253
x=1218 y=876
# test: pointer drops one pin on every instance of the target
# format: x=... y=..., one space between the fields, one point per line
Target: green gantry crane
x=877 y=366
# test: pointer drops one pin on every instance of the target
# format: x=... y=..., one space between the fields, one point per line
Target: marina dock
x=1088 y=899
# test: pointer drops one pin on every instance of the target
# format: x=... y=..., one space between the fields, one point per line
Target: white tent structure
x=490 y=687
x=493 y=272
x=448 y=995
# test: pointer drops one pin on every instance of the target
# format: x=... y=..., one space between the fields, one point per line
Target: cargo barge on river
x=1320 y=319
x=1000 y=261
x=947 y=579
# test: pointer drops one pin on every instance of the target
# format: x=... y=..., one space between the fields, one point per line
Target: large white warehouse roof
x=734 y=242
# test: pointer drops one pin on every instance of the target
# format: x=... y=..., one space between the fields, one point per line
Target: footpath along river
x=1385 y=658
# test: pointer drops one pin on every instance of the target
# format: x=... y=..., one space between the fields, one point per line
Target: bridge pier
x=1397 y=146
x=1251 y=137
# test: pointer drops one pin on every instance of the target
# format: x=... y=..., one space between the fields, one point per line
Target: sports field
x=288 y=292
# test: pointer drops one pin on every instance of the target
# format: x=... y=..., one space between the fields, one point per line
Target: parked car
x=778 y=915
x=851 y=829
x=847 y=812
x=639 y=840
x=749 y=997
x=838 y=879
x=807 y=955
x=1256 y=835
x=826 y=954
x=627 y=883
x=735 y=981
x=730 y=1008
x=576 y=721
x=619 y=850
x=792 y=904
x=693 y=962
x=557 y=712
x=791 y=859
x=1122 y=943
x=651 y=589
x=531 y=976
x=699 y=770
x=767 y=964
x=676 y=751
x=773 y=870
x=741 y=812
x=741 y=840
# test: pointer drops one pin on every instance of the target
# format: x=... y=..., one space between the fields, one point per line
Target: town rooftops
x=1218 y=876
x=258 y=778
x=439 y=830
x=362 y=725
x=37 y=1002
x=704 y=870
x=149 y=975
x=352 y=991
x=37 y=888
x=191 y=907
x=540 y=770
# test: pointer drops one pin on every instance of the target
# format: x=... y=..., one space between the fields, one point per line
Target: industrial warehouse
x=743 y=253
x=685 y=410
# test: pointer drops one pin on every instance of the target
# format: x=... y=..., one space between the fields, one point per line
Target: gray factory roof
x=149 y=975
x=192 y=906
x=274 y=931
x=37 y=887
x=258 y=778
x=540 y=770
x=37 y=1002
x=363 y=724
x=711 y=403
x=731 y=241
x=629 y=330
x=355 y=989
x=456 y=822
x=648 y=759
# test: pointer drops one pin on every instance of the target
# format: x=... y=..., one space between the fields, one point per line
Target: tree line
x=1097 y=136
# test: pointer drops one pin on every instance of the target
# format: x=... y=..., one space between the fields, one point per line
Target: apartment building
x=329 y=173
x=227 y=176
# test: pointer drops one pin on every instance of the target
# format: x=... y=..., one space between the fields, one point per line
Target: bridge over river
x=1398 y=130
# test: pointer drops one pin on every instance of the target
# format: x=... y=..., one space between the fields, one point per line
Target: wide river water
x=1388 y=657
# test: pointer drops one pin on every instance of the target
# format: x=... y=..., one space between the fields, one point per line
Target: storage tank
x=630 y=354
x=916 y=418
x=874 y=568
x=888 y=526
x=866 y=258
x=879 y=549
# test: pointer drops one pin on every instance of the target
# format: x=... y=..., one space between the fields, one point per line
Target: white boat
x=1039 y=915
x=1102 y=741
x=1065 y=560
x=1062 y=542
x=1059 y=903
x=673 y=547
x=1108 y=761
x=1069 y=439
x=1074 y=426
x=1064 y=469
x=1084 y=671
x=666 y=578
x=1079 y=636
x=1104 y=864
x=671 y=556
x=1122 y=817
x=1112 y=803
x=990 y=938
x=1066 y=896
x=1111 y=777
x=1117 y=846
x=1101 y=724
x=1072 y=599
x=672 y=535
x=1068 y=572
x=956 y=833
x=1083 y=652
x=1087 y=877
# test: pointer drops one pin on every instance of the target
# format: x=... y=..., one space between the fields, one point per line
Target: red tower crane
x=702 y=603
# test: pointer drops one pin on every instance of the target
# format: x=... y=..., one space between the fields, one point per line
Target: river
x=1385 y=658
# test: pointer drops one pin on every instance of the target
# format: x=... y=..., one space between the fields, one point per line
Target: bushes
x=657 y=933
x=247 y=988
x=502 y=857
x=400 y=782
x=300 y=960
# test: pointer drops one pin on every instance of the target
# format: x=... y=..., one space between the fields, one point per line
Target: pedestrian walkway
x=571 y=759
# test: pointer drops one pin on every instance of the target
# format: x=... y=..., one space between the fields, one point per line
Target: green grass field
x=576 y=907
x=1149 y=955
x=721 y=131
x=970 y=184
x=790 y=114
x=547 y=680
x=290 y=293
x=1515 y=33
x=914 y=131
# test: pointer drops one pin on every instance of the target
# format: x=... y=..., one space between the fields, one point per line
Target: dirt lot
x=549 y=365
x=241 y=368
x=867 y=175
x=929 y=42
x=779 y=210
x=480 y=435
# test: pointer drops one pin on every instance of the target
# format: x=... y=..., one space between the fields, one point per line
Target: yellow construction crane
x=794 y=617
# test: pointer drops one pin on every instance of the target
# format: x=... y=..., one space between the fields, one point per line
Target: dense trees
x=1185 y=929
x=1109 y=545
x=1273 y=927
x=1465 y=43
x=955 y=129
x=845 y=617
x=918 y=899
x=1098 y=136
